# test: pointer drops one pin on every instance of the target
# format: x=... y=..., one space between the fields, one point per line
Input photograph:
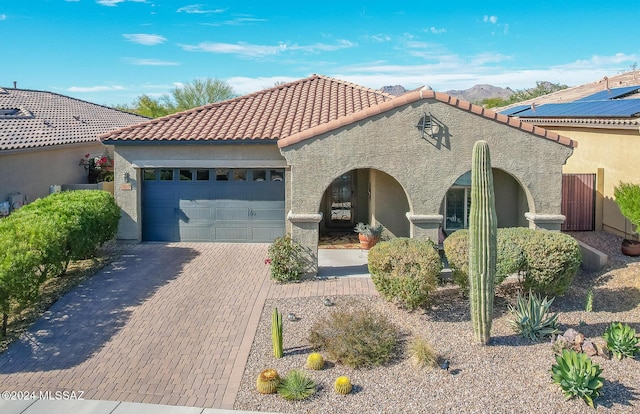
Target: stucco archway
x=512 y=201
x=364 y=195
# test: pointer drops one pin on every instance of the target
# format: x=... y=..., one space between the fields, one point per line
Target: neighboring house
x=604 y=116
x=43 y=137
x=321 y=154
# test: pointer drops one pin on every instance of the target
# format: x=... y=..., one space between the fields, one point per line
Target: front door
x=340 y=202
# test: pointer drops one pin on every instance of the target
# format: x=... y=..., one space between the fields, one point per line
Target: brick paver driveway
x=166 y=323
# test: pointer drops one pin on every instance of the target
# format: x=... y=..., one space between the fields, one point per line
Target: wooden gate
x=579 y=201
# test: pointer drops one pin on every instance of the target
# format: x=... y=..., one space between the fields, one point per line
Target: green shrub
x=38 y=240
x=621 y=340
x=404 y=270
x=552 y=260
x=356 y=338
x=286 y=259
x=577 y=376
x=531 y=317
x=296 y=386
x=423 y=355
x=510 y=258
x=547 y=261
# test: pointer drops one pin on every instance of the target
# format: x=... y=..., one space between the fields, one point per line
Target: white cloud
x=437 y=31
x=490 y=19
x=244 y=85
x=110 y=3
x=97 y=88
x=150 y=62
x=258 y=51
x=380 y=38
x=197 y=9
x=239 y=21
x=145 y=39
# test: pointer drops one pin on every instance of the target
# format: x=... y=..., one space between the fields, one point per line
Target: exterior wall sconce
x=427 y=125
x=126 y=177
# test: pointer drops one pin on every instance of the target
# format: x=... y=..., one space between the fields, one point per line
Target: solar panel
x=515 y=110
x=609 y=94
x=592 y=109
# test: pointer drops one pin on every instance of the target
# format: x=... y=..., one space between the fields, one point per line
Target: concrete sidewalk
x=101 y=407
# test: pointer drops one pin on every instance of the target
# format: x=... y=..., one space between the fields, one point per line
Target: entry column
x=425 y=226
x=305 y=231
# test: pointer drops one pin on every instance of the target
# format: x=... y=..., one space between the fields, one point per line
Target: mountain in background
x=474 y=94
x=479 y=92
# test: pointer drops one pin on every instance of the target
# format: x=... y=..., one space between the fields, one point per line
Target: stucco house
x=43 y=137
x=604 y=116
x=321 y=154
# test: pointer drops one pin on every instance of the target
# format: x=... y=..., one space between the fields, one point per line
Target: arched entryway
x=510 y=198
x=364 y=195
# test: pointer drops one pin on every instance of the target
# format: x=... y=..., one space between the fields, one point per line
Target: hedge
x=38 y=240
x=405 y=271
x=547 y=261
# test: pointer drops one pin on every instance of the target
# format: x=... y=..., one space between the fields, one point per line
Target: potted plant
x=628 y=200
x=369 y=234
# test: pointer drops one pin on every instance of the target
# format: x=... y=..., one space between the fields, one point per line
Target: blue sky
x=111 y=51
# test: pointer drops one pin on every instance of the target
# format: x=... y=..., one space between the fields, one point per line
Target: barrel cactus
x=482 y=243
x=343 y=385
x=315 y=361
x=267 y=382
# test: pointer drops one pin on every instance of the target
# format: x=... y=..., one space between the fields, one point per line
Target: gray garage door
x=230 y=205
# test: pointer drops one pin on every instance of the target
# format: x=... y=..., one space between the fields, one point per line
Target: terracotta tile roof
x=30 y=119
x=417 y=95
x=294 y=112
x=273 y=113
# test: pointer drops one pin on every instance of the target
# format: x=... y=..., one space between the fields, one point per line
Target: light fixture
x=427 y=125
x=292 y=317
x=126 y=177
x=327 y=302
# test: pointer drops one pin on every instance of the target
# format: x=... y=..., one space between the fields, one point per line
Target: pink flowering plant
x=99 y=167
x=286 y=260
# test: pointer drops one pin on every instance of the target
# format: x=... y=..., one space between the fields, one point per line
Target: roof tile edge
x=417 y=95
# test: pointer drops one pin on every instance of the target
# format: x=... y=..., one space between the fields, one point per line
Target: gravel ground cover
x=509 y=375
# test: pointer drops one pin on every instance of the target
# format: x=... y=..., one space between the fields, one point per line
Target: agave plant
x=296 y=386
x=621 y=340
x=577 y=376
x=531 y=317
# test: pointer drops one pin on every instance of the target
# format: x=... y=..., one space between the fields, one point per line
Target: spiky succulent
x=343 y=385
x=577 y=376
x=621 y=340
x=267 y=382
x=315 y=361
x=531 y=317
x=296 y=386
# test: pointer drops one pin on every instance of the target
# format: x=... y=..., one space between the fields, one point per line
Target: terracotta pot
x=630 y=247
x=367 y=242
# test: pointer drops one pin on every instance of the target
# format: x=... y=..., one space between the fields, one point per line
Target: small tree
x=628 y=200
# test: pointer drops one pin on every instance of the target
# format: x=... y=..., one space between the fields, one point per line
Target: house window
x=186 y=175
x=149 y=174
x=166 y=175
x=202 y=175
x=457 y=206
x=276 y=175
x=259 y=175
x=239 y=175
x=222 y=175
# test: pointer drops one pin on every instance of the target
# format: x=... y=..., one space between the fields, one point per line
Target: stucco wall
x=389 y=205
x=31 y=172
x=615 y=151
x=131 y=158
x=426 y=168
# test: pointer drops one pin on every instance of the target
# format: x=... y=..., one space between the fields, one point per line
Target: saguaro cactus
x=482 y=243
x=276 y=333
